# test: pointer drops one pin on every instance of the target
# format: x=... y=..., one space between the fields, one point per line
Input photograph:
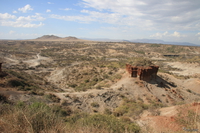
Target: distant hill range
x=71 y=38
x=56 y=38
x=48 y=37
x=144 y=41
x=162 y=42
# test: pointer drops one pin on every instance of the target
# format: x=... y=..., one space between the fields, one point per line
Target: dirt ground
x=186 y=69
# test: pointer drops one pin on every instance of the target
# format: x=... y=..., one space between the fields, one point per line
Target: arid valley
x=86 y=82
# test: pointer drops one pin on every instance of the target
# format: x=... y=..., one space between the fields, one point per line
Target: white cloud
x=176 y=34
x=198 y=34
x=19 y=35
x=37 y=17
x=11 y=32
x=50 y=3
x=25 y=8
x=67 y=9
x=172 y=15
x=94 y=16
x=84 y=19
x=48 y=10
x=27 y=22
x=147 y=15
x=14 y=11
x=85 y=11
x=160 y=35
x=24 y=25
x=29 y=25
x=166 y=34
x=7 y=16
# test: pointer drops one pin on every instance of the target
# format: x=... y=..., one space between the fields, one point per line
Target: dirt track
x=36 y=62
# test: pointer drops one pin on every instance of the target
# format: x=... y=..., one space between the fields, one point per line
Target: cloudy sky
x=168 y=20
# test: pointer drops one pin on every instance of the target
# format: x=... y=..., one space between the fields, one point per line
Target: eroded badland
x=145 y=84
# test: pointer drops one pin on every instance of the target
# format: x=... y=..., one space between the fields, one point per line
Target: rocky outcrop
x=145 y=73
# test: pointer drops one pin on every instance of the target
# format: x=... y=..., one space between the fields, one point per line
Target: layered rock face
x=145 y=73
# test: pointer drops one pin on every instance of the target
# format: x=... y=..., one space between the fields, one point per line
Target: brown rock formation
x=146 y=73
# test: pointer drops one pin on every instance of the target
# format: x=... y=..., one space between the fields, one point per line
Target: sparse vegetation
x=36 y=117
x=107 y=123
x=189 y=120
x=143 y=62
x=53 y=98
x=72 y=78
x=133 y=108
x=94 y=104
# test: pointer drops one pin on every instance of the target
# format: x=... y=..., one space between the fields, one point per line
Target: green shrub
x=16 y=83
x=62 y=112
x=94 y=104
x=188 y=90
x=133 y=108
x=3 y=99
x=72 y=85
x=155 y=45
x=143 y=62
x=105 y=76
x=53 y=97
x=87 y=80
x=107 y=111
x=98 y=87
x=171 y=49
x=98 y=121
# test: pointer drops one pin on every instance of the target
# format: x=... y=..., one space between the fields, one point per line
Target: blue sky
x=168 y=20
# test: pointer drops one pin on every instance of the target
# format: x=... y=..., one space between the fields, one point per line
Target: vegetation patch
x=108 y=123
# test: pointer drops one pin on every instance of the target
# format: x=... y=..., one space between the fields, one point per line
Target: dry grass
x=41 y=118
x=189 y=118
x=34 y=119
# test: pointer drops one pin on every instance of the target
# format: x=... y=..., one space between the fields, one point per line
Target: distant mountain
x=144 y=41
x=70 y=38
x=103 y=39
x=48 y=37
x=56 y=38
x=162 y=42
x=148 y=41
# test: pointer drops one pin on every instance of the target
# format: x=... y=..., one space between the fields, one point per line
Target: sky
x=168 y=20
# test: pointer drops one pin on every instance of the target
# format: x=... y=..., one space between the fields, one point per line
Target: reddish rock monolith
x=146 y=73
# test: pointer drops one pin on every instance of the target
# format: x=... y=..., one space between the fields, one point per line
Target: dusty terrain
x=91 y=77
